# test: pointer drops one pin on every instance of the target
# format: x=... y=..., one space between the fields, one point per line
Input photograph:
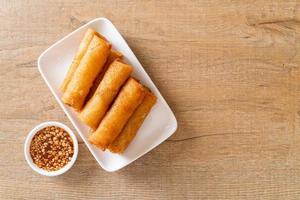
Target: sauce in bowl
x=51 y=148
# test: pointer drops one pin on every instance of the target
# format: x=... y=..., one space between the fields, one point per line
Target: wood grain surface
x=229 y=70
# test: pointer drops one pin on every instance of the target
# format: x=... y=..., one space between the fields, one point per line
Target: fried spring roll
x=129 y=98
x=112 y=56
x=87 y=38
x=115 y=76
x=90 y=65
x=134 y=123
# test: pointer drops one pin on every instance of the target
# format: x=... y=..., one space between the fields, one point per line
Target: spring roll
x=87 y=38
x=129 y=98
x=112 y=56
x=90 y=65
x=134 y=123
x=115 y=76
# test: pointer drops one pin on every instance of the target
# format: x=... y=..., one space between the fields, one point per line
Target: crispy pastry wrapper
x=114 y=55
x=129 y=98
x=90 y=66
x=97 y=106
x=85 y=42
x=131 y=128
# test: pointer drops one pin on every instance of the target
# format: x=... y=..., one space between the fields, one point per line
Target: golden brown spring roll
x=134 y=123
x=129 y=98
x=87 y=38
x=115 y=76
x=90 y=65
x=112 y=56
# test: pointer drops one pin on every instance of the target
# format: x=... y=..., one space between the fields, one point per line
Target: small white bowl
x=27 y=149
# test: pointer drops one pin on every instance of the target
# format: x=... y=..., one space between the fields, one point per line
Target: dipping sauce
x=51 y=148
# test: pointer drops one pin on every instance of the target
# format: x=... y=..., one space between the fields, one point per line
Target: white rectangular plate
x=160 y=124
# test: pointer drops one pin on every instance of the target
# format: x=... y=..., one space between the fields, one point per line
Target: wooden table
x=229 y=70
